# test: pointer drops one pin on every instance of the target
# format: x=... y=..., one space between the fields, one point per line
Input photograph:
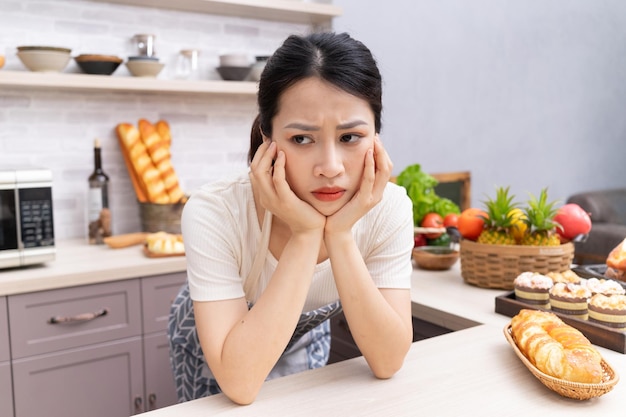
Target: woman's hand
x=275 y=195
x=376 y=174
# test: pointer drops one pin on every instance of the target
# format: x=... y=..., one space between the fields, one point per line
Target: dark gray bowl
x=234 y=73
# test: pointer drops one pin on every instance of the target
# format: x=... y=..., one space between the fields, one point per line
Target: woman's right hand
x=275 y=194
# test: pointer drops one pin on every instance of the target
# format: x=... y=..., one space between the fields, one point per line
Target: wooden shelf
x=86 y=82
x=295 y=11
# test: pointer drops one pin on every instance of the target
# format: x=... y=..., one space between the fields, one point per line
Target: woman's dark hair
x=334 y=58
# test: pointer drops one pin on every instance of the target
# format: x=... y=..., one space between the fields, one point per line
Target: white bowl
x=144 y=68
x=44 y=60
x=234 y=60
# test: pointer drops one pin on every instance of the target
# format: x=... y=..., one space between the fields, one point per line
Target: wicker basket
x=497 y=266
x=575 y=390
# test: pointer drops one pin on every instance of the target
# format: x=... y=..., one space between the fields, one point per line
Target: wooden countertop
x=473 y=370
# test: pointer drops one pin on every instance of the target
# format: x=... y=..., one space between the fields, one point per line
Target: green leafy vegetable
x=420 y=189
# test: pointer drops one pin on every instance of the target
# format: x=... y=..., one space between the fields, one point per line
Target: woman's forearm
x=379 y=320
x=255 y=341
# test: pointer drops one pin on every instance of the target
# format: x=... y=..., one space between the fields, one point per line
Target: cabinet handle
x=79 y=318
x=152 y=402
x=138 y=405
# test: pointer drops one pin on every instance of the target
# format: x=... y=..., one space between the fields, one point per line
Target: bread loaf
x=145 y=177
x=159 y=150
x=617 y=257
x=556 y=348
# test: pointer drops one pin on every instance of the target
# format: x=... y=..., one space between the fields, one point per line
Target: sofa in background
x=608 y=219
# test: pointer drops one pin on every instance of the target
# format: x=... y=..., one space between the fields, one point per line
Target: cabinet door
x=4 y=331
x=103 y=380
x=160 y=389
x=6 y=390
x=157 y=295
x=48 y=321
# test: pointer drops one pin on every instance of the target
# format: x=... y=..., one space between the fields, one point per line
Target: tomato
x=419 y=240
x=471 y=223
x=451 y=220
x=573 y=220
x=432 y=220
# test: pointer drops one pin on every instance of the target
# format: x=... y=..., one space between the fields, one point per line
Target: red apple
x=574 y=221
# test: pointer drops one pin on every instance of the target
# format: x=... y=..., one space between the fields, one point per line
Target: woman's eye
x=301 y=140
x=352 y=137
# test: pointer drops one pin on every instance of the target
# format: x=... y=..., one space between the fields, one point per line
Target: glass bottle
x=98 y=212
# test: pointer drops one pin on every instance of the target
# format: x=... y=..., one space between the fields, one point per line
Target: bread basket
x=575 y=390
x=497 y=266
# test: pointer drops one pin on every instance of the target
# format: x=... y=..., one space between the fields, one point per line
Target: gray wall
x=526 y=93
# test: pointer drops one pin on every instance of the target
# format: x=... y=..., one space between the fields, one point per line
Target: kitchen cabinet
x=6 y=388
x=317 y=14
x=97 y=350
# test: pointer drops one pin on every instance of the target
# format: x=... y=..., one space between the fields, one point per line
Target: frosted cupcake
x=570 y=299
x=604 y=286
x=609 y=310
x=533 y=288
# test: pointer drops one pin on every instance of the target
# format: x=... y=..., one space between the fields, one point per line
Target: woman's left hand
x=376 y=174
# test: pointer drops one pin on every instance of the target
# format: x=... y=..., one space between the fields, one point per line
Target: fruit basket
x=497 y=266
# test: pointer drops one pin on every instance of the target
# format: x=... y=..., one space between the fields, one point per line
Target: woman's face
x=325 y=133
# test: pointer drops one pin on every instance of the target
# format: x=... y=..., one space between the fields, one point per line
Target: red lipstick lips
x=329 y=193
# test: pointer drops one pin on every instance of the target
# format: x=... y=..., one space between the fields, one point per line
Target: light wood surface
x=469 y=372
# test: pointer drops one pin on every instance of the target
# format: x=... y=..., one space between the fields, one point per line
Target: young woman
x=314 y=227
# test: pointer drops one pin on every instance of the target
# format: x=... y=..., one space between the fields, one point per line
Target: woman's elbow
x=241 y=396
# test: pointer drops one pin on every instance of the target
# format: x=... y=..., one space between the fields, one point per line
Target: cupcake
x=570 y=299
x=609 y=310
x=533 y=288
x=604 y=286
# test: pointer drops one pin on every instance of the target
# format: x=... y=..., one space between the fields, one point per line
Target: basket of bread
x=147 y=155
x=505 y=238
x=559 y=355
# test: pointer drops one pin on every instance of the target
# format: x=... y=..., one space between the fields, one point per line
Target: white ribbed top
x=222 y=234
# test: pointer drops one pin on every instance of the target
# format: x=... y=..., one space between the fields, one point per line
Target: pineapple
x=540 y=221
x=500 y=219
x=518 y=226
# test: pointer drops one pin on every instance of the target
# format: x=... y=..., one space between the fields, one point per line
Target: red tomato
x=451 y=220
x=574 y=220
x=419 y=240
x=471 y=223
x=432 y=220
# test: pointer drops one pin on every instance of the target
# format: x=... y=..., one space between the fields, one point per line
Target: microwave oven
x=26 y=222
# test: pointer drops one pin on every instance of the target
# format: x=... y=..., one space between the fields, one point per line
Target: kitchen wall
x=56 y=129
x=526 y=93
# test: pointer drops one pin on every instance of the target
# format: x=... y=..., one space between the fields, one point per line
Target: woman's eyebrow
x=310 y=128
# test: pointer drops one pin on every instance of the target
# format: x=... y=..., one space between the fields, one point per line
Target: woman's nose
x=329 y=162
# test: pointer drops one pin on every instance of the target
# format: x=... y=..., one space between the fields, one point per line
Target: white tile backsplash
x=56 y=129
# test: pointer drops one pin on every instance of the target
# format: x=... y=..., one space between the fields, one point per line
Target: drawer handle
x=79 y=318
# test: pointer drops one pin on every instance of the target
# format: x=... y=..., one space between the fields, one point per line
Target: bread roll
x=556 y=348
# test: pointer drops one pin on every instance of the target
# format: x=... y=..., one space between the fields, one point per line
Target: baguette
x=159 y=151
x=556 y=348
x=145 y=177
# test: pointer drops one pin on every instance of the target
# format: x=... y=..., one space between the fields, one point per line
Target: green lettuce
x=420 y=188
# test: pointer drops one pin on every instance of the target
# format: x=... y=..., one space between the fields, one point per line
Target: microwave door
x=8 y=220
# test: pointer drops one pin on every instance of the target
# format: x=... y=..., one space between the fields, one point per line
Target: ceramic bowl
x=435 y=258
x=234 y=60
x=143 y=58
x=98 y=64
x=44 y=59
x=144 y=68
x=234 y=73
